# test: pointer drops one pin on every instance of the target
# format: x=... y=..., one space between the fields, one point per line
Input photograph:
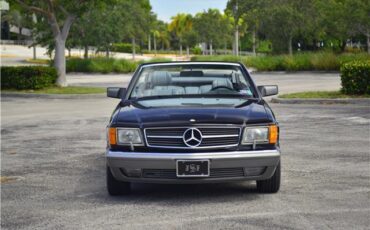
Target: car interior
x=187 y=82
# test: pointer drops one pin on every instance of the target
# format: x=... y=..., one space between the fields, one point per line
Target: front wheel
x=271 y=185
x=115 y=187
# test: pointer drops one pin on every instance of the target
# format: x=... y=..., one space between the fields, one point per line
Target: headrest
x=194 y=73
x=222 y=82
x=160 y=78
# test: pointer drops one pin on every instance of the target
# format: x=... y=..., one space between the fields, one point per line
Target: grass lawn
x=322 y=94
x=61 y=90
x=38 y=61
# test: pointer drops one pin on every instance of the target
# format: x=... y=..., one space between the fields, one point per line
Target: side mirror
x=268 y=90
x=116 y=92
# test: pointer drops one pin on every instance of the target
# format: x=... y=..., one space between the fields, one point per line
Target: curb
x=358 y=101
x=53 y=96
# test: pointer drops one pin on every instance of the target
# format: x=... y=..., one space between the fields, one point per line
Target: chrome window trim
x=192 y=63
x=195 y=126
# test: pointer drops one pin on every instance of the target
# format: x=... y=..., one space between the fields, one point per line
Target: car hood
x=132 y=116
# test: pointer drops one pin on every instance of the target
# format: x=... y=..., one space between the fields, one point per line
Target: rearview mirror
x=268 y=90
x=116 y=92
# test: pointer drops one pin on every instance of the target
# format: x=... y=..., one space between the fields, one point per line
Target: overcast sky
x=165 y=9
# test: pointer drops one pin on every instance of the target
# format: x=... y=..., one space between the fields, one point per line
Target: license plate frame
x=188 y=168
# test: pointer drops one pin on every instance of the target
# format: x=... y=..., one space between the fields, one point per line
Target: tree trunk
x=343 y=45
x=368 y=41
x=149 y=43
x=187 y=52
x=86 y=52
x=107 y=51
x=133 y=48
x=225 y=48
x=34 y=52
x=69 y=52
x=210 y=49
x=236 y=41
x=180 y=47
x=60 y=61
x=155 y=45
x=19 y=34
x=290 y=46
x=254 y=41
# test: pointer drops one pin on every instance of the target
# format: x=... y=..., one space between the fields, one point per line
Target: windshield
x=191 y=80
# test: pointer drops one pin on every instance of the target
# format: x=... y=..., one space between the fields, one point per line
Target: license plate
x=192 y=168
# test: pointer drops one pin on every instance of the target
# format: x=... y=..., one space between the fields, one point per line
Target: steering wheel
x=222 y=87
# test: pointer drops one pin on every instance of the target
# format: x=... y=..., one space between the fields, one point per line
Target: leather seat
x=160 y=82
x=222 y=83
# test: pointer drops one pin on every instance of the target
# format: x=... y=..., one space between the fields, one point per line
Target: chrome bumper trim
x=184 y=156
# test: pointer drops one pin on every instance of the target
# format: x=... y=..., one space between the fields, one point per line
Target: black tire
x=115 y=187
x=271 y=185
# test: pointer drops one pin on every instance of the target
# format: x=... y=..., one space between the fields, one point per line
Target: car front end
x=184 y=135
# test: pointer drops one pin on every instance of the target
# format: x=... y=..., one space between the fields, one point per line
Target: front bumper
x=151 y=167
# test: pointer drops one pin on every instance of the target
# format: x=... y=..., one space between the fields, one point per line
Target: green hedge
x=27 y=77
x=323 y=61
x=106 y=65
x=355 y=77
x=100 y=65
x=124 y=48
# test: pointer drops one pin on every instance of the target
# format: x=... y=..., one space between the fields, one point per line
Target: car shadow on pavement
x=178 y=194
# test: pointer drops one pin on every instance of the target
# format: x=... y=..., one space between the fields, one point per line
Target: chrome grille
x=212 y=137
x=214 y=173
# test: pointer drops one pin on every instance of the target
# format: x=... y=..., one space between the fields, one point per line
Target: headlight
x=267 y=134
x=127 y=136
x=124 y=136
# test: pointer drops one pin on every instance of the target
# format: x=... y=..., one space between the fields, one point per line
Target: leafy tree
x=282 y=23
x=249 y=14
x=343 y=19
x=182 y=25
x=16 y=18
x=212 y=28
x=60 y=16
x=135 y=20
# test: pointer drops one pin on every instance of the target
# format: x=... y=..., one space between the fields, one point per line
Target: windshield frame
x=242 y=68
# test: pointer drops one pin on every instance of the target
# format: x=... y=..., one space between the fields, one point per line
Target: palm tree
x=181 y=24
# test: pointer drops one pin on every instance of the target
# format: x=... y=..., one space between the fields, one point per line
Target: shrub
x=158 y=59
x=355 y=77
x=325 y=61
x=100 y=65
x=106 y=65
x=266 y=63
x=124 y=48
x=160 y=51
x=196 y=50
x=27 y=77
x=226 y=58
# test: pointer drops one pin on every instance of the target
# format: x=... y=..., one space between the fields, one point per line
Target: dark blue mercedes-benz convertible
x=192 y=122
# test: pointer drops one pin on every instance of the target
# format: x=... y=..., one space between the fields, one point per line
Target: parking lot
x=53 y=155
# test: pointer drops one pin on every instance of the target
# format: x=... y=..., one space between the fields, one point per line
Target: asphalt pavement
x=53 y=156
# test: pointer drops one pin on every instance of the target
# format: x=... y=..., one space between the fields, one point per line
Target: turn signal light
x=112 y=136
x=273 y=134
